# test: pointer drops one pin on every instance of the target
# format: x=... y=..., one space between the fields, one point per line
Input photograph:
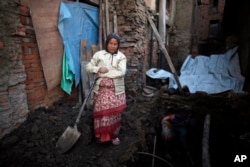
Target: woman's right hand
x=103 y=70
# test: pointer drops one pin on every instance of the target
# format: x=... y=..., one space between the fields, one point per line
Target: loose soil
x=34 y=142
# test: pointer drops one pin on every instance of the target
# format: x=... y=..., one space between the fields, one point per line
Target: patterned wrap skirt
x=108 y=108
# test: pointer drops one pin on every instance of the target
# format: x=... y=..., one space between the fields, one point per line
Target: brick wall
x=22 y=84
x=13 y=98
x=37 y=93
x=133 y=29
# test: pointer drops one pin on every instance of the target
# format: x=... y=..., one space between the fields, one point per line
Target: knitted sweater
x=116 y=64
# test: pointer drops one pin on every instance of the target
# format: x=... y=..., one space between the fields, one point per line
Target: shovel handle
x=85 y=101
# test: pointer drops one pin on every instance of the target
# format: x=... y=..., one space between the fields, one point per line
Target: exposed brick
x=1 y=44
x=3 y=96
x=12 y=89
x=31 y=57
x=23 y=20
x=34 y=74
x=37 y=94
x=29 y=85
x=4 y=106
x=24 y=10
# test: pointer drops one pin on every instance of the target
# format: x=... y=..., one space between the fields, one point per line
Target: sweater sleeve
x=92 y=66
x=119 y=70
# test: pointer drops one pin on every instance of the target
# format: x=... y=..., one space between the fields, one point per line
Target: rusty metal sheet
x=44 y=15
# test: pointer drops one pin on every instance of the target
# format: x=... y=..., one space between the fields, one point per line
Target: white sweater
x=116 y=65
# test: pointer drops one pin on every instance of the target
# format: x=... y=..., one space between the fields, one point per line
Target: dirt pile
x=33 y=143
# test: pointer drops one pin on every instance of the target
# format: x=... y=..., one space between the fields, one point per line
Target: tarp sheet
x=76 y=21
x=212 y=74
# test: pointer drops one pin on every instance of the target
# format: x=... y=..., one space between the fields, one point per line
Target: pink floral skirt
x=108 y=108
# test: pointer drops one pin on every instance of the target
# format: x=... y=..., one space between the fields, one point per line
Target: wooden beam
x=94 y=2
x=164 y=50
x=162 y=20
x=115 y=22
x=107 y=16
x=104 y=32
x=100 y=25
x=83 y=50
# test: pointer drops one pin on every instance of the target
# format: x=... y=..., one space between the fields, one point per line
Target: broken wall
x=22 y=84
x=132 y=27
x=13 y=98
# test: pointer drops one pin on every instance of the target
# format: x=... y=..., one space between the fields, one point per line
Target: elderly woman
x=109 y=91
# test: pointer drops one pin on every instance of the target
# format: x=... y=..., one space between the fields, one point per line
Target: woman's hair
x=109 y=37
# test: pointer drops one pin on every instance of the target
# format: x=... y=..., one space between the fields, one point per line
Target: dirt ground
x=34 y=142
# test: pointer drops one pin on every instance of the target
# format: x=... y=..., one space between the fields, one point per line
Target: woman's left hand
x=103 y=70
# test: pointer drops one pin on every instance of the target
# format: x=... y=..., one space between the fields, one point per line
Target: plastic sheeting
x=67 y=76
x=212 y=74
x=76 y=21
x=155 y=73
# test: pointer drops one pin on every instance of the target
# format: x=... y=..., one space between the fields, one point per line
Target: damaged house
x=182 y=56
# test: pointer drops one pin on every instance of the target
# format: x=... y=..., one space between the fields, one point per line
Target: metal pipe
x=163 y=160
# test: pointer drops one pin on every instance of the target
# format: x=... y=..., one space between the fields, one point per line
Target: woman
x=109 y=91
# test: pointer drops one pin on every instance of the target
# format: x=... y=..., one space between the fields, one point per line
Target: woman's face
x=112 y=45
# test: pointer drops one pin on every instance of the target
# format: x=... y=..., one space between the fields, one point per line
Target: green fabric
x=67 y=75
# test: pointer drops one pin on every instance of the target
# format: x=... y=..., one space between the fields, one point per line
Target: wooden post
x=162 y=20
x=107 y=16
x=115 y=23
x=104 y=24
x=83 y=50
x=165 y=52
x=100 y=24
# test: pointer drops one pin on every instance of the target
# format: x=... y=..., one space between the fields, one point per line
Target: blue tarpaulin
x=76 y=21
x=212 y=74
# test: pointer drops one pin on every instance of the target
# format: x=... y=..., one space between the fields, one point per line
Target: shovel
x=71 y=135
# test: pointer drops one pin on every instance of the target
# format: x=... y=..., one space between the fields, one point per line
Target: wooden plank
x=94 y=1
x=100 y=25
x=44 y=16
x=87 y=78
x=165 y=52
x=94 y=48
x=107 y=16
x=162 y=20
x=103 y=25
x=89 y=54
x=115 y=22
x=83 y=50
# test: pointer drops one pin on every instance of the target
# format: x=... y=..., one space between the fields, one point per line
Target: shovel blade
x=67 y=139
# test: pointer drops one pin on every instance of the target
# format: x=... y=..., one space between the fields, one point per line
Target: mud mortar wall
x=22 y=84
x=133 y=29
x=13 y=100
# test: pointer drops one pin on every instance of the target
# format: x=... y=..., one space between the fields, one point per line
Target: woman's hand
x=103 y=70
